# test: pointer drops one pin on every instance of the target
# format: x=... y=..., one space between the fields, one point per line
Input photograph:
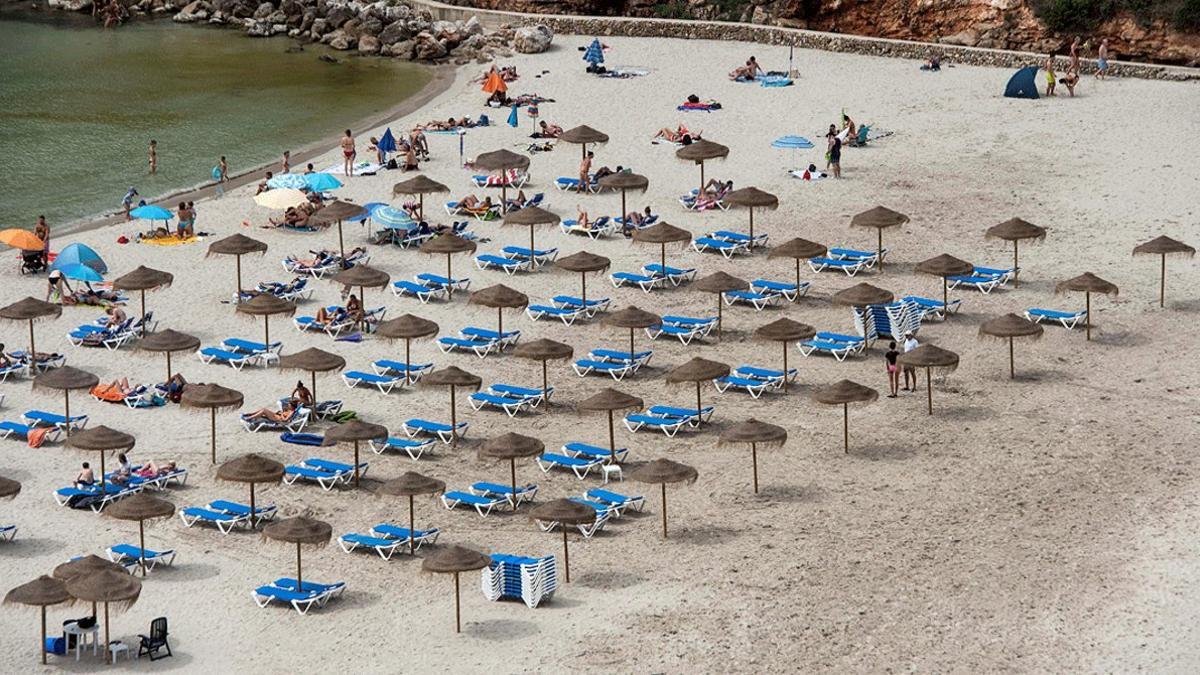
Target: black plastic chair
x=155 y=641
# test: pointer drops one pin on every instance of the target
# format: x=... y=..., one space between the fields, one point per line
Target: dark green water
x=79 y=105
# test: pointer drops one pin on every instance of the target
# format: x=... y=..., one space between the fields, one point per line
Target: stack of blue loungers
x=530 y=580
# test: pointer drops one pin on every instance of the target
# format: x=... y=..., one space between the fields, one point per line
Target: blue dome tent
x=1023 y=84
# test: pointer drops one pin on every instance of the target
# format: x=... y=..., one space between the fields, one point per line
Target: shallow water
x=79 y=106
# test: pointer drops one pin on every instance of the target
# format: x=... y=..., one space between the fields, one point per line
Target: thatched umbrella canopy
x=610 y=401
x=1087 y=283
x=879 y=219
x=66 y=379
x=212 y=397
x=662 y=233
x=301 y=531
x=143 y=279
x=844 y=393
x=798 y=249
x=101 y=439
x=453 y=377
x=336 y=213
x=754 y=433
x=929 y=357
x=411 y=484
x=584 y=263
x=42 y=592
x=632 y=318
x=624 y=181
x=141 y=507
x=1163 y=247
x=419 y=185
x=498 y=161
x=313 y=361
x=944 y=266
x=785 y=331
x=251 y=469
x=355 y=431
x=456 y=560
x=1016 y=230
x=30 y=309
x=661 y=472
x=752 y=198
x=583 y=136
x=106 y=586
x=169 y=341
x=407 y=327
x=85 y=566
x=566 y=514
x=698 y=370
x=1008 y=327
x=700 y=152
x=862 y=295
x=362 y=277
x=500 y=297
x=718 y=283
x=544 y=350
x=512 y=447
x=266 y=306
x=531 y=217
x=448 y=244
x=9 y=488
x=237 y=245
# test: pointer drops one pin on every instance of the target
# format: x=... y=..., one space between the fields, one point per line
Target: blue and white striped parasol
x=594 y=53
x=293 y=181
x=792 y=143
x=392 y=218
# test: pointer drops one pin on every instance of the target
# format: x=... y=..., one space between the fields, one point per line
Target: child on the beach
x=223 y=171
x=153 y=156
x=1050 y=76
x=286 y=163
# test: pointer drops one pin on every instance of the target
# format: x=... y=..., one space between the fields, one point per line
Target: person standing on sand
x=348 y=153
x=585 y=171
x=1050 y=77
x=1075 y=46
x=42 y=231
x=127 y=201
x=1102 y=60
x=910 y=373
x=286 y=163
x=893 y=370
x=153 y=157
x=835 y=156
x=222 y=171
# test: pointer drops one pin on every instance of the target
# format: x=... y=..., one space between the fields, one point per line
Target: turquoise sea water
x=79 y=106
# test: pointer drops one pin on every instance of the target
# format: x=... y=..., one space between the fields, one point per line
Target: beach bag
x=344 y=416
x=692 y=98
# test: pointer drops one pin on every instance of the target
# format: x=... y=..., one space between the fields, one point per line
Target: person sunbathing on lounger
x=6 y=361
x=301 y=396
x=326 y=316
x=116 y=317
x=174 y=387
x=154 y=470
x=281 y=415
x=354 y=309
x=680 y=134
x=634 y=221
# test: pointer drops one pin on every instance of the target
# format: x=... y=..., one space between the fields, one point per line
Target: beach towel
x=171 y=241
x=703 y=107
x=301 y=439
x=108 y=392
x=37 y=436
x=360 y=169
x=353 y=337
x=775 y=81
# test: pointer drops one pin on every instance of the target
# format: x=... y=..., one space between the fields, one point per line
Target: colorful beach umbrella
x=288 y=181
x=22 y=239
x=280 y=199
x=79 y=254
x=151 y=212
x=321 y=182
x=77 y=272
x=494 y=83
x=594 y=54
x=392 y=218
x=792 y=143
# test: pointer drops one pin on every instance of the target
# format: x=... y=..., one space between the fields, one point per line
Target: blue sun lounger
x=265 y=512
x=412 y=289
x=741 y=238
x=619 y=501
x=685 y=333
x=668 y=425
x=223 y=520
x=414 y=371
x=580 y=466
x=301 y=601
x=384 y=546
x=567 y=183
x=413 y=448
x=8 y=428
x=8 y=532
x=675 y=275
x=384 y=383
x=539 y=257
x=751 y=386
x=125 y=552
x=602 y=511
x=694 y=417
x=418 y=537
x=836 y=348
x=483 y=505
x=534 y=396
x=418 y=427
x=769 y=374
x=253 y=347
x=638 y=359
x=1067 y=320
x=567 y=315
x=724 y=247
x=480 y=348
x=850 y=267
x=789 y=291
x=617 y=369
x=642 y=281
x=524 y=493
x=871 y=258
x=599 y=227
x=509 y=266
x=443 y=282
x=933 y=310
x=592 y=305
x=507 y=338
x=509 y=404
x=756 y=299
x=236 y=360
x=326 y=474
x=41 y=418
x=983 y=283
x=576 y=449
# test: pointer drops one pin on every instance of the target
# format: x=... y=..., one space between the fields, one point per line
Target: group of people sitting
x=298 y=216
x=59 y=291
x=680 y=134
x=300 y=397
x=352 y=311
x=123 y=473
x=747 y=71
x=547 y=130
x=634 y=220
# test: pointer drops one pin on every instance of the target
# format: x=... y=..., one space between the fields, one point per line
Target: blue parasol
x=287 y=181
x=594 y=53
x=321 y=182
x=792 y=143
x=151 y=212
x=79 y=254
x=387 y=143
x=77 y=272
x=513 y=120
x=392 y=218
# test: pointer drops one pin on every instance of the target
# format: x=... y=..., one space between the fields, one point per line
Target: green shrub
x=1187 y=17
x=1067 y=16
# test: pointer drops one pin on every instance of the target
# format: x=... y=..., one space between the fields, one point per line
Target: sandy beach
x=1046 y=523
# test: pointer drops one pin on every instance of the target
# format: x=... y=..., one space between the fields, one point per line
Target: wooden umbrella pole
x=32 y=349
x=880 y=250
x=583 y=285
x=545 y=385
x=566 y=552
x=453 y=418
x=144 y=311
x=1162 y=283
x=168 y=366
x=355 y=463
x=67 y=406
x=142 y=544
x=662 y=252
x=103 y=482
x=299 y=579
x=449 y=277
x=698 y=407
x=846 y=427
x=1012 y=368
x=785 y=365
x=42 y=646
x=106 y=633
x=612 y=439
x=500 y=320
x=314 y=386
x=266 y=330
x=624 y=211
x=457 y=607
x=238 y=260
x=945 y=297
x=797 y=274
x=341 y=244
x=531 y=248
x=407 y=360
x=751 y=223
x=929 y=388
x=664 y=501
x=412 y=532
x=1016 y=263
x=754 y=462
x=253 y=512
x=213 y=436
x=701 y=192
x=1088 y=308
x=512 y=467
x=720 y=316
x=630 y=343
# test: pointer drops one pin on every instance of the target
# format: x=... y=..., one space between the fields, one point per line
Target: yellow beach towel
x=171 y=241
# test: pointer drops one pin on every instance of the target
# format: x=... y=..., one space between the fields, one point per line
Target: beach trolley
x=892 y=321
x=530 y=580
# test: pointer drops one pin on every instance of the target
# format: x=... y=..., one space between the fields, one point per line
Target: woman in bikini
x=348 y=153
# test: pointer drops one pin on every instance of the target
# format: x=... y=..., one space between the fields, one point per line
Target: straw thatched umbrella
x=544 y=350
x=700 y=152
x=251 y=469
x=844 y=393
x=169 y=341
x=944 y=266
x=698 y=370
x=237 y=245
x=862 y=295
x=632 y=318
x=566 y=514
x=30 y=309
x=455 y=560
x=355 y=431
x=143 y=279
x=785 y=331
x=798 y=249
x=718 y=283
x=662 y=234
x=583 y=135
x=453 y=377
x=419 y=185
x=101 y=439
x=502 y=160
x=314 y=361
x=107 y=586
x=1015 y=230
x=584 y=263
x=301 y=531
x=141 y=507
x=754 y=433
x=610 y=401
x=84 y=566
x=212 y=397
x=42 y=592
x=1087 y=283
x=410 y=484
x=624 y=181
x=500 y=297
x=752 y=198
x=66 y=379
x=1010 y=326
x=408 y=328
x=531 y=217
x=879 y=219
x=661 y=472
x=9 y=488
x=266 y=306
x=336 y=213
x=448 y=244
x=1163 y=246
x=512 y=447
x=929 y=357
x=362 y=277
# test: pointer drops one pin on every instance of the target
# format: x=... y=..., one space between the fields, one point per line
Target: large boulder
x=319 y=28
x=368 y=45
x=404 y=49
x=427 y=47
x=258 y=28
x=532 y=39
x=370 y=26
x=197 y=10
x=472 y=26
x=71 y=5
x=340 y=40
x=394 y=32
x=339 y=15
x=264 y=10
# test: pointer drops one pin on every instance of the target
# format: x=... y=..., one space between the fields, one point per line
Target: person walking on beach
x=893 y=370
x=348 y=153
x=222 y=171
x=42 y=231
x=153 y=157
x=127 y=201
x=585 y=172
x=835 y=155
x=1076 y=45
x=286 y=164
x=1102 y=60
x=1050 y=77
x=910 y=373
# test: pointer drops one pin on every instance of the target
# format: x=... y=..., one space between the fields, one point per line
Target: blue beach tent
x=321 y=182
x=77 y=272
x=79 y=254
x=1023 y=84
x=594 y=53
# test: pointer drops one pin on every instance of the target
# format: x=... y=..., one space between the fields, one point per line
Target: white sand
x=1042 y=524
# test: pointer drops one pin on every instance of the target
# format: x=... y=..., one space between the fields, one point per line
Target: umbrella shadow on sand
x=704 y=535
x=30 y=547
x=796 y=494
x=190 y=572
x=503 y=630
x=602 y=581
x=877 y=453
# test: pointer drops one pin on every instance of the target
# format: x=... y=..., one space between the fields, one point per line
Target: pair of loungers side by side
x=654 y=276
x=567 y=308
x=764 y=293
x=239 y=353
x=388 y=375
x=302 y=598
x=479 y=341
x=386 y=539
x=616 y=364
x=755 y=381
x=226 y=516
x=668 y=419
x=516 y=259
x=326 y=473
x=426 y=286
x=509 y=398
